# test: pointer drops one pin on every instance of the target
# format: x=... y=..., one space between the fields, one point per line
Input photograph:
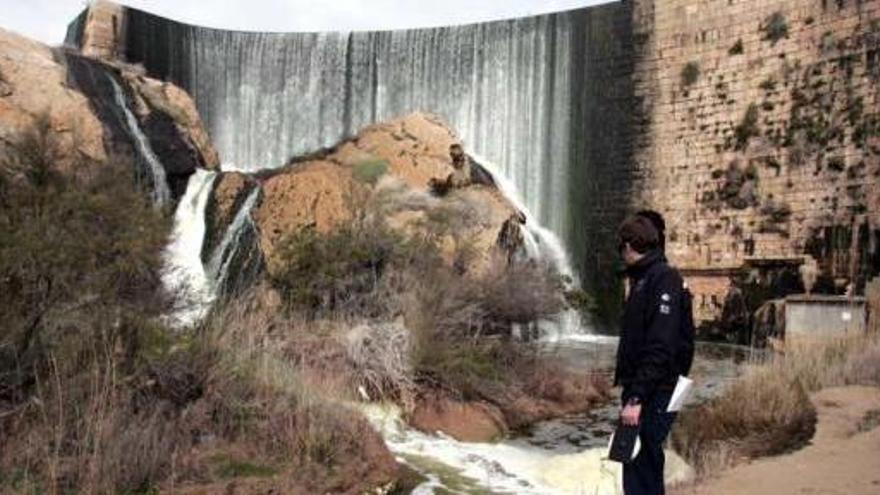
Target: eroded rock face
x=74 y=92
x=315 y=191
x=169 y=117
x=35 y=83
x=464 y=421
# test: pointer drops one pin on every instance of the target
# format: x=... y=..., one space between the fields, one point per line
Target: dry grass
x=768 y=411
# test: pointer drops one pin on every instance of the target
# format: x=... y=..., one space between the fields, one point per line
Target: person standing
x=656 y=346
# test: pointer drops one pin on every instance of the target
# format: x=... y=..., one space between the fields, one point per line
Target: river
x=561 y=456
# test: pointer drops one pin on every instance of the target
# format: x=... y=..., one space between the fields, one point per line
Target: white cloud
x=47 y=20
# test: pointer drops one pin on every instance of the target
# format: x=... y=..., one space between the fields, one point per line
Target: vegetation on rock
x=737 y=48
x=747 y=128
x=775 y=27
x=690 y=73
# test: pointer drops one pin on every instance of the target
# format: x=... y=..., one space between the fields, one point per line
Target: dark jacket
x=656 y=340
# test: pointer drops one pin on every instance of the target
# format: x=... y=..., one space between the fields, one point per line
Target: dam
x=759 y=147
x=532 y=95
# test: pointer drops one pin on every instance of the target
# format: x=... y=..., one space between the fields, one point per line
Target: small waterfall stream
x=224 y=254
x=161 y=193
x=542 y=244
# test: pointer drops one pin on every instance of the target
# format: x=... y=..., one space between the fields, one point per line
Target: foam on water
x=504 y=467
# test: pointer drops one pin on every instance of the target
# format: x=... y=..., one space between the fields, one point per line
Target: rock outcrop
x=463 y=421
x=76 y=96
x=315 y=191
x=33 y=83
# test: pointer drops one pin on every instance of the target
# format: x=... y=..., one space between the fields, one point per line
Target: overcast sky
x=46 y=20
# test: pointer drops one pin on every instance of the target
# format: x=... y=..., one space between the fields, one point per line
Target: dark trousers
x=644 y=475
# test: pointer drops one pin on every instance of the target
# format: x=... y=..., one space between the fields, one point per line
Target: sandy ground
x=840 y=459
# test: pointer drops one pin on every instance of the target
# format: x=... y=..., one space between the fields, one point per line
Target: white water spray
x=184 y=274
x=504 y=467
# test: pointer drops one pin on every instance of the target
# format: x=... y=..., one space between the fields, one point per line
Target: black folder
x=623 y=443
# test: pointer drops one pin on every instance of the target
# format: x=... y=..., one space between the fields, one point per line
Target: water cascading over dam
x=530 y=94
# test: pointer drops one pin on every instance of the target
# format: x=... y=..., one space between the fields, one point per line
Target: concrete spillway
x=523 y=93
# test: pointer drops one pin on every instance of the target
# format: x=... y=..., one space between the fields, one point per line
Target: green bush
x=80 y=255
x=370 y=171
x=747 y=128
x=339 y=272
x=737 y=48
x=775 y=27
x=690 y=73
x=76 y=269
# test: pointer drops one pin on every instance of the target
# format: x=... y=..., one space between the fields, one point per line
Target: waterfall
x=161 y=193
x=184 y=274
x=514 y=91
x=225 y=253
x=542 y=244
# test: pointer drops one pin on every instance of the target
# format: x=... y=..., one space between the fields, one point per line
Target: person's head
x=636 y=237
x=659 y=223
x=456 y=152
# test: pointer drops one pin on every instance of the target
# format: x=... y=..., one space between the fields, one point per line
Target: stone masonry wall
x=98 y=31
x=763 y=141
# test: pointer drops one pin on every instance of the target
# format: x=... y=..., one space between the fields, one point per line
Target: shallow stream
x=562 y=456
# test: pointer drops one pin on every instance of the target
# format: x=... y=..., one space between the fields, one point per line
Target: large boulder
x=473 y=421
x=34 y=83
x=316 y=191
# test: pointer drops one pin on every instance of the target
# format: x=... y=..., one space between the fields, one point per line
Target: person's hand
x=629 y=415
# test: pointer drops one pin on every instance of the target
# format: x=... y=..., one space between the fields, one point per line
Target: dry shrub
x=521 y=293
x=269 y=408
x=863 y=367
x=763 y=414
x=380 y=356
x=367 y=274
x=768 y=411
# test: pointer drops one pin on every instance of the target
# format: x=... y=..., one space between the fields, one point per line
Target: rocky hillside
x=86 y=123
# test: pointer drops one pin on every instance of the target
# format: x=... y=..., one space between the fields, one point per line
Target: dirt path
x=841 y=459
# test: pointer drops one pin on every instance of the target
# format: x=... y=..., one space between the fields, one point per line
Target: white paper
x=681 y=393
